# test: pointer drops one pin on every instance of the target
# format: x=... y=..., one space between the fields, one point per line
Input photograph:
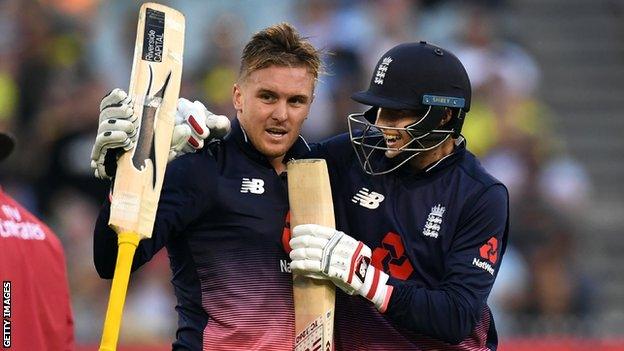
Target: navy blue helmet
x=418 y=77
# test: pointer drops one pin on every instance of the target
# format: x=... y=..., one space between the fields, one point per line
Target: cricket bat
x=310 y=198
x=154 y=86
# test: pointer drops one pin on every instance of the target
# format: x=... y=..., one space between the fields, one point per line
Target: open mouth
x=276 y=132
x=392 y=139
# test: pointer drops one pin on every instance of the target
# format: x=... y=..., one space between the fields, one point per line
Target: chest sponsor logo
x=285 y=266
x=489 y=253
x=368 y=199
x=253 y=185
x=434 y=221
x=391 y=257
x=14 y=225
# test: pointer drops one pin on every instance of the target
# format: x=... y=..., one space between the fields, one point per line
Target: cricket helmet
x=418 y=77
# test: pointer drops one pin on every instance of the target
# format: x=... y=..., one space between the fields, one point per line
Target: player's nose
x=280 y=113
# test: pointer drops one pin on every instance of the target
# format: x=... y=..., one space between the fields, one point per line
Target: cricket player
x=36 y=309
x=222 y=209
x=421 y=226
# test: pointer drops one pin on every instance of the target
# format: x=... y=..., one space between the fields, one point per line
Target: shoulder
x=483 y=190
x=190 y=169
x=337 y=147
x=471 y=167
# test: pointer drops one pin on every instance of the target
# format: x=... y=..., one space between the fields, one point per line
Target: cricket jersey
x=36 y=310
x=221 y=215
x=439 y=233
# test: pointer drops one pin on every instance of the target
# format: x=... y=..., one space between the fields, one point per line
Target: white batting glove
x=117 y=131
x=319 y=251
x=194 y=124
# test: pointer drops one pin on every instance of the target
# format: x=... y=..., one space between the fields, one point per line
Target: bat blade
x=154 y=86
x=310 y=198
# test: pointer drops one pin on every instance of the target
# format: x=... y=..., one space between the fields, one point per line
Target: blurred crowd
x=58 y=58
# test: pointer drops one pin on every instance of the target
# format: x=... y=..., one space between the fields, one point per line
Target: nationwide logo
x=392 y=258
x=368 y=199
x=253 y=185
x=434 y=221
x=382 y=69
x=489 y=252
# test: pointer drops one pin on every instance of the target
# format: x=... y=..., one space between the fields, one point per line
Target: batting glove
x=323 y=252
x=193 y=125
x=117 y=131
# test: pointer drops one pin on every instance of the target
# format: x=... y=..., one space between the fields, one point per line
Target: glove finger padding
x=314 y=230
x=109 y=140
x=114 y=97
x=193 y=115
x=198 y=120
x=117 y=104
x=307 y=241
x=117 y=125
x=179 y=139
x=219 y=125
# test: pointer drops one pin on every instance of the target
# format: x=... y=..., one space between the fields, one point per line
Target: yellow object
x=127 y=243
x=8 y=96
x=480 y=129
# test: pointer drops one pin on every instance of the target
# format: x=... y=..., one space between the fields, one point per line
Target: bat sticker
x=145 y=144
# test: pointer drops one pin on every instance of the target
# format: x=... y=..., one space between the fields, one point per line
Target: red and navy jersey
x=36 y=310
x=221 y=215
x=440 y=234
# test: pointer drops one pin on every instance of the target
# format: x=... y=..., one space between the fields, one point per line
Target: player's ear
x=237 y=98
x=448 y=114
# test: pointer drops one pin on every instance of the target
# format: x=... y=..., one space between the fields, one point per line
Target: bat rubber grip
x=127 y=243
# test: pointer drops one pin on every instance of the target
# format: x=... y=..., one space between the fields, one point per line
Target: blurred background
x=548 y=85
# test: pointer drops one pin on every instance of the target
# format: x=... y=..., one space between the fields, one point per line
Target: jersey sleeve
x=186 y=193
x=450 y=310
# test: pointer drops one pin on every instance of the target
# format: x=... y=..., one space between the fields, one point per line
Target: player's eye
x=298 y=100
x=267 y=97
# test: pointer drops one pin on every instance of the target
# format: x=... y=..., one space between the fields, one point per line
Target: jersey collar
x=298 y=150
x=439 y=165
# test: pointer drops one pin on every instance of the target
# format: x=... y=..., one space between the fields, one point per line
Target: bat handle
x=127 y=243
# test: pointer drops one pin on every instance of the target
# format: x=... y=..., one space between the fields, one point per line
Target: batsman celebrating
x=221 y=211
x=420 y=241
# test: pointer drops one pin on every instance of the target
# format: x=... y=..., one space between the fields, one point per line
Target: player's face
x=395 y=139
x=271 y=105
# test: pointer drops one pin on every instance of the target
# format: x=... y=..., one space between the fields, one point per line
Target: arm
x=450 y=310
x=188 y=183
x=117 y=132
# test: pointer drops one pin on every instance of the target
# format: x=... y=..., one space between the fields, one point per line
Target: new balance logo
x=368 y=199
x=253 y=185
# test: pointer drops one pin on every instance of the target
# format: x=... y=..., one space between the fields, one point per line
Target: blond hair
x=279 y=45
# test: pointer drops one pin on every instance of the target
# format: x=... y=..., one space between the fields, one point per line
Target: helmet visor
x=371 y=148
